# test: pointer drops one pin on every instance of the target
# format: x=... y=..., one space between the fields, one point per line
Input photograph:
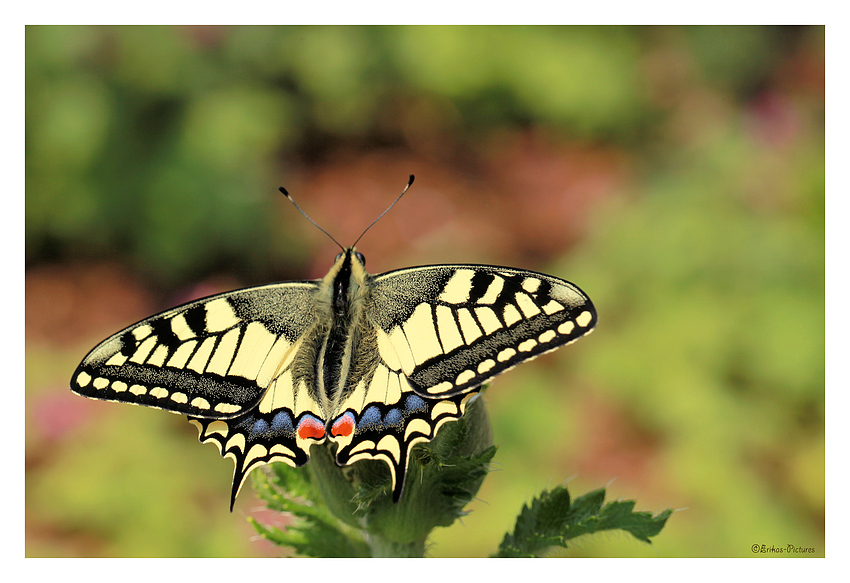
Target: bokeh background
x=675 y=174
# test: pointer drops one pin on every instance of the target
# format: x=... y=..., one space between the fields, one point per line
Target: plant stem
x=383 y=548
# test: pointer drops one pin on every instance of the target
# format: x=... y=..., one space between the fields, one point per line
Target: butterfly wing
x=238 y=364
x=433 y=336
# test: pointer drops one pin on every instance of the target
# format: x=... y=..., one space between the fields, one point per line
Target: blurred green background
x=675 y=174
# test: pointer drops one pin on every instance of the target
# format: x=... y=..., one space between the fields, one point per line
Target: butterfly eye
x=360 y=257
x=338 y=255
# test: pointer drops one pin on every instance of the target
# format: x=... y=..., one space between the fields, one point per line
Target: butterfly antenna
x=306 y=216
x=409 y=182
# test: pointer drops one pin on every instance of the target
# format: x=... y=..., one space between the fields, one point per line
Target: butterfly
x=373 y=363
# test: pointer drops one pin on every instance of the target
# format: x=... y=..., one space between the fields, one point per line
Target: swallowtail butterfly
x=375 y=363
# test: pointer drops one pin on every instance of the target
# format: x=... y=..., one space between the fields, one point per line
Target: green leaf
x=315 y=538
x=552 y=519
x=315 y=532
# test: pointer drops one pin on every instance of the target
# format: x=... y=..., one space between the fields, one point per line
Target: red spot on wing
x=343 y=426
x=310 y=428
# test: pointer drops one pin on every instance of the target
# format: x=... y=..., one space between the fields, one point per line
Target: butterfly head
x=351 y=254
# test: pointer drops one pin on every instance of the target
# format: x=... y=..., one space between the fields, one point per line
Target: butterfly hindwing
x=255 y=438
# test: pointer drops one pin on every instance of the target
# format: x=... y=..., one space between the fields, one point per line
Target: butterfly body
x=374 y=363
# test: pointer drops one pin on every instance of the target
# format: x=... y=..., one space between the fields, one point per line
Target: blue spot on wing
x=370 y=419
x=393 y=417
x=282 y=423
x=260 y=426
x=414 y=403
